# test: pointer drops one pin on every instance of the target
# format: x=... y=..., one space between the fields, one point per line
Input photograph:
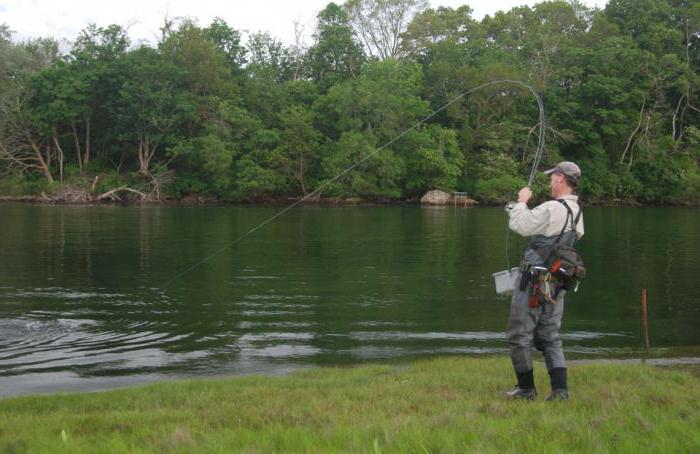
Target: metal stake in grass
x=645 y=327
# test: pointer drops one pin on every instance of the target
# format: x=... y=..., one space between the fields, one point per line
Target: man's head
x=563 y=178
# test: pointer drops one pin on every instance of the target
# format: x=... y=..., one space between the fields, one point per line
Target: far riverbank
x=324 y=202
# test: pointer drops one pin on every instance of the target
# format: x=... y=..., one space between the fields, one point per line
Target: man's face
x=556 y=180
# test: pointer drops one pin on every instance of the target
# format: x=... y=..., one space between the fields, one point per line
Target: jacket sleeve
x=526 y=222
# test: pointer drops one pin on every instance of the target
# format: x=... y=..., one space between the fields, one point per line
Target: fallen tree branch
x=112 y=194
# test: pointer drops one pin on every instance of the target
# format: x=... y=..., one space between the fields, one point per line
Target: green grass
x=438 y=405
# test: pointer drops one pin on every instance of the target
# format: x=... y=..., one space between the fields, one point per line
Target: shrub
x=23 y=185
x=498 y=190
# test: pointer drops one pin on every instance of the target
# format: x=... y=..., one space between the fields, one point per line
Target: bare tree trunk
x=629 y=164
x=634 y=133
x=48 y=155
x=43 y=164
x=647 y=126
x=143 y=157
x=675 y=117
x=156 y=186
x=77 y=147
x=86 y=158
x=147 y=151
x=59 y=155
x=681 y=129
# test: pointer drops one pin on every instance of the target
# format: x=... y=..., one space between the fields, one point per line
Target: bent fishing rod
x=325 y=184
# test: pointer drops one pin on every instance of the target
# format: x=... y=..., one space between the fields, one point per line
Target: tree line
x=203 y=113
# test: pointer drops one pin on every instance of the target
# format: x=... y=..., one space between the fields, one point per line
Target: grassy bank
x=440 y=405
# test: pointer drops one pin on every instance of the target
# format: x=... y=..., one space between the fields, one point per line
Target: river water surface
x=83 y=304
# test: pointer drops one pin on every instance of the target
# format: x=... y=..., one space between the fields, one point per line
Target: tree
x=367 y=113
x=152 y=106
x=20 y=146
x=335 y=55
x=59 y=98
x=433 y=159
x=648 y=22
x=204 y=68
x=228 y=41
x=378 y=24
x=299 y=148
x=384 y=100
x=23 y=148
x=253 y=148
x=442 y=25
x=380 y=177
x=95 y=60
x=203 y=163
x=268 y=58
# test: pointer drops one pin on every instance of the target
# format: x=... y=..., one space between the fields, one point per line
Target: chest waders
x=536 y=272
x=536 y=310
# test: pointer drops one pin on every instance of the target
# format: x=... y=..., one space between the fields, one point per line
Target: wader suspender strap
x=574 y=221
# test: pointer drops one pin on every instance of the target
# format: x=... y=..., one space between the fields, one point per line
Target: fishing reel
x=509 y=207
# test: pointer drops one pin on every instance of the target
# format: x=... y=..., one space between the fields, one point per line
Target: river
x=84 y=303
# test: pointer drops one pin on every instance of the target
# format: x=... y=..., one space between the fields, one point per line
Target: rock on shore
x=437 y=197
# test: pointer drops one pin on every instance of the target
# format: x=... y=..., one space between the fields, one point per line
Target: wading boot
x=520 y=393
x=525 y=389
x=560 y=391
x=558 y=395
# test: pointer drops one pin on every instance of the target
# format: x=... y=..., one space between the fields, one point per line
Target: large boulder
x=439 y=198
x=436 y=197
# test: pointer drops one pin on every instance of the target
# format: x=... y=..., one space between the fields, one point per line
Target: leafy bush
x=23 y=185
x=185 y=185
x=499 y=190
x=688 y=190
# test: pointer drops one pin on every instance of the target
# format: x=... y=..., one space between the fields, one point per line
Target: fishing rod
x=317 y=191
x=539 y=152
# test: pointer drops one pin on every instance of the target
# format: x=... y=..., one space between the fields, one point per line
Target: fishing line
x=540 y=147
x=539 y=152
x=540 y=141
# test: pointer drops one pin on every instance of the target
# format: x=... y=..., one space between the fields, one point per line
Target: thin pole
x=645 y=326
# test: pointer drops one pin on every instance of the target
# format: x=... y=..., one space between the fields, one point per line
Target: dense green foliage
x=437 y=405
x=201 y=113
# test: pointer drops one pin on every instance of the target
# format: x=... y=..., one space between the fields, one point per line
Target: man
x=537 y=305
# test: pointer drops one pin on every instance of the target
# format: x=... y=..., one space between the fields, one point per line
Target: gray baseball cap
x=566 y=168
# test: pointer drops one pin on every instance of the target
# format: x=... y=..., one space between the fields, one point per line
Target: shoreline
x=662 y=357
x=203 y=201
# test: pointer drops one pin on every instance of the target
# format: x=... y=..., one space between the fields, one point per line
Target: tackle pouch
x=565 y=262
